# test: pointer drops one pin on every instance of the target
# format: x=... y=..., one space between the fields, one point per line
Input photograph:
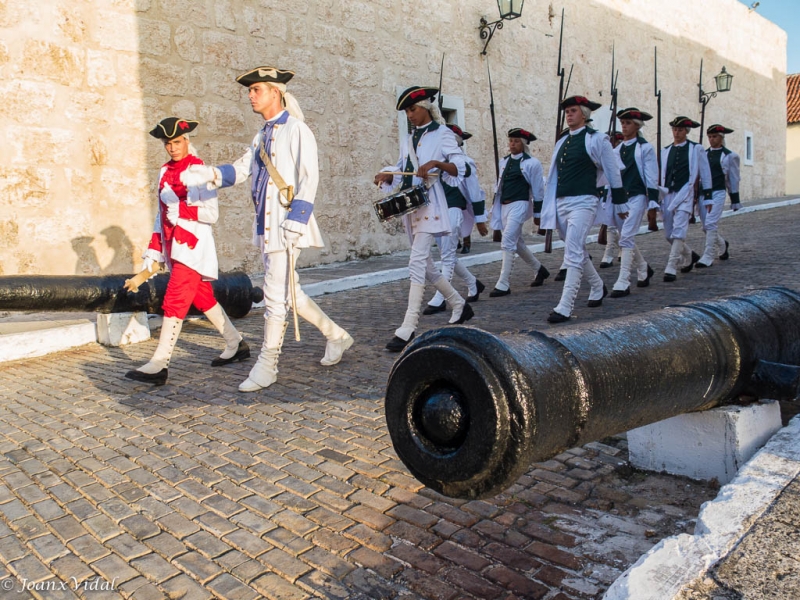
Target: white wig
x=432 y=108
x=288 y=100
x=587 y=112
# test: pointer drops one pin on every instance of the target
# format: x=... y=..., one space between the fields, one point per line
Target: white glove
x=197 y=175
x=653 y=204
x=168 y=195
x=150 y=265
x=736 y=206
x=290 y=238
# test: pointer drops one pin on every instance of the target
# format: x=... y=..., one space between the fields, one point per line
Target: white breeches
x=420 y=264
x=677 y=209
x=710 y=220
x=574 y=218
x=513 y=216
x=276 y=284
x=629 y=227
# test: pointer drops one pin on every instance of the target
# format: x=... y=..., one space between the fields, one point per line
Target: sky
x=785 y=14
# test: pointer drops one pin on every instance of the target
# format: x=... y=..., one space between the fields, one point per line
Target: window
x=749 y=153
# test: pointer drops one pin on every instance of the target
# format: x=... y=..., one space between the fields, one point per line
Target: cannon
x=469 y=411
x=234 y=291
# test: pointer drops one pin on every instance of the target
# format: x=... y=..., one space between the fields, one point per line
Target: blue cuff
x=228 y=175
x=300 y=211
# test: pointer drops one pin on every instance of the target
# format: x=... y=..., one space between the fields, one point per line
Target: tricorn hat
x=634 y=113
x=459 y=132
x=521 y=133
x=414 y=94
x=266 y=74
x=173 y=127
x=717 y=128
x=579 y=101
x=684 y=122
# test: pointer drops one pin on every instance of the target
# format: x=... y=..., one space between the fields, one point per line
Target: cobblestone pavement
x=193 y=490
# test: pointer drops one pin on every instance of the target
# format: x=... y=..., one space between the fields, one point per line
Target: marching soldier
x=430 y=153
x=282 y=161
x=518 y=197
x=464 y=203
x=684 y=164
x=612 y=250
x=724 y=165
x=637 y=158
x=183 y=240
x=582 y=157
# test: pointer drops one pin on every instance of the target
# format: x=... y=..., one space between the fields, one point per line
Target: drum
x=403 y=202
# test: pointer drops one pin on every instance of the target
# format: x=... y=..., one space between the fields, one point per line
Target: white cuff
x=621 y=208
x=154 y=254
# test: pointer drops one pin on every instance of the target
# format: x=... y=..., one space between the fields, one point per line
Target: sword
x=293 y=291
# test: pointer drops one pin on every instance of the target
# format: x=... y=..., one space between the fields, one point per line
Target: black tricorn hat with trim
x=579 y=101
x=414 y=94
x=464 y=135
x=521 y=133
x=717 y=128
x=266 y=74
x=634 y=113
x=173 y=127
x=684 y=122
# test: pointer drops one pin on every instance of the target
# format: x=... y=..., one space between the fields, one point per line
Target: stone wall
x=81 y=82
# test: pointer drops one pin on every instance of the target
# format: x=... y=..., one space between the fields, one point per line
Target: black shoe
x=668 y=277
x=725 y=255
x=159 y=378
x=605 y=265
x=541 y=275
x=396 y=344
x=700 y=265
x=562 y=275
x=599 y=301
x=620 y=293
x=466 y=314
x=495 y=293
x=557 y=317
x=433 y=309
x=646 y=282
x=481 y=287
x=466 y=248
x=242 y=353
x=690 y=266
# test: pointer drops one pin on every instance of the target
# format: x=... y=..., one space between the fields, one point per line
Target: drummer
x=428 y=153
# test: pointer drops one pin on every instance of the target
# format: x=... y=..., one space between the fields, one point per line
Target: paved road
x=194 y=490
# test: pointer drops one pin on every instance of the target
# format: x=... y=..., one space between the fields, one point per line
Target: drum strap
x=287 y=191
x=412 y=155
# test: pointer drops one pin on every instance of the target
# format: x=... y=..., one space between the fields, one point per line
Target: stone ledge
x=679 y=561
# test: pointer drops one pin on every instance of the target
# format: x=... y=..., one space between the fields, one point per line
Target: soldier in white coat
x=684 y=164
x=430 y=151
x=183 y=241
x=465 y=202
x=518 y=197
x=639 y=172
x=724 y=166
x=583 y=159
x=282 y=225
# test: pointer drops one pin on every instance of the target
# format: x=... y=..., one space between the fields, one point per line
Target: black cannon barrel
x=469 y=411
x=234 y=291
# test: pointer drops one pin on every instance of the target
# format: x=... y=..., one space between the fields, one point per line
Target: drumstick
x=436 y=174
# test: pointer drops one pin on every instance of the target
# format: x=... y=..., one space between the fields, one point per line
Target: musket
x=560 y=75
x=497 y=234
x=652 y=223
x=612 y=123
x=494 y=124
x=441 y=76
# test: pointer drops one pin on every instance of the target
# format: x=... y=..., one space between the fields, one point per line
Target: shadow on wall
x=88 y=262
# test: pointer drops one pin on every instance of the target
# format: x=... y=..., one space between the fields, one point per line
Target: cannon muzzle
x=234 y=291
x=469 y=411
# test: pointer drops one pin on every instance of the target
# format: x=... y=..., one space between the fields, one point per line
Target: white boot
x=235 y=347
x=526 y=255
x=467 y=277
x=675 y=253
x=722 y=247
x=409 y=326
x=572 y=284
x=265 y=372
x=599 y=290
x=502 y=287
x=612 y=248
x=623 y=285
x=155 y=371
x=710 y=252
x=455 y=302
x=338 y=339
